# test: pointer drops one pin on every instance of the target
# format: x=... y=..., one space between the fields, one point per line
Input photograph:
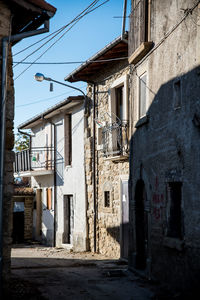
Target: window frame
x=140 y=72
x=121 y=81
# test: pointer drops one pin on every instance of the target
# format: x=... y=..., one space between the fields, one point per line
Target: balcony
x=115 y=140
x=34 y=162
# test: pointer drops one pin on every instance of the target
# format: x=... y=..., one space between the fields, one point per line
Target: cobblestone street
x=51 y=273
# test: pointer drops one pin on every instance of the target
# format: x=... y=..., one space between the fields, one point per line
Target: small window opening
x=177 y=94
x=175 y=225
x=107 y=198
x=142 y=95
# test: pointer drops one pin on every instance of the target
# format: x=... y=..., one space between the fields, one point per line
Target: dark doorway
x=125 y=219
x=18 y=222
x=68 y=213
x=141 y=225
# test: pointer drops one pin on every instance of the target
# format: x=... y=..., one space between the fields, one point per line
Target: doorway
x=18 y=222
x=141 y=225
x=125 y=219
x=68 y=222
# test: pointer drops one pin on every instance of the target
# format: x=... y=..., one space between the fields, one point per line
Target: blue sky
x=87 y=37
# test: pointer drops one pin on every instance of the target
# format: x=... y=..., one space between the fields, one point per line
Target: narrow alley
x=51 y=273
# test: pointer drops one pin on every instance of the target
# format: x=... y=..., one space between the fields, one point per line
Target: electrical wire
x=59 y=31
x=46 y=99
x=77 y=20
x=72 y=62
x=63 y=27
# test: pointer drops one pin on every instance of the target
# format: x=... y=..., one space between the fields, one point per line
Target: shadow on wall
x=114 y=232
x=47 y=230
x=165 y=154
x=59 y=169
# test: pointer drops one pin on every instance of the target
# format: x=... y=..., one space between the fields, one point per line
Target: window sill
x=118 y=158
x=140 y=52
x=142 y=121
x=173 y=243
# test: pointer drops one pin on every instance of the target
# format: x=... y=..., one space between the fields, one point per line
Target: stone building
x=106 y=147
x=18 y=19
x=164 y=57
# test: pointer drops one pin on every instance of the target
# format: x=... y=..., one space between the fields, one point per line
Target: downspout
x=5 y=43
x=94 y=167
x=55 y=183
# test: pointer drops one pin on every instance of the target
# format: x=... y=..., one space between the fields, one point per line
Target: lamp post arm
x=70 y=86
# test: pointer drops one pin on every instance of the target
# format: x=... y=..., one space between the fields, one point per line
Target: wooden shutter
x=49 y=197
x=138 y=24
x=68 y=140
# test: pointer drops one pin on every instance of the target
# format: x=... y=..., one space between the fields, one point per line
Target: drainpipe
x=5 y=43
x=55 y=183
x=94 y=167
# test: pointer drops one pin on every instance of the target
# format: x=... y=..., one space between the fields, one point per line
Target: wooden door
x=68 y=213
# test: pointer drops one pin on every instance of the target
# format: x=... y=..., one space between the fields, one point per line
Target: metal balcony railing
x=115 y=139
x=36 y=158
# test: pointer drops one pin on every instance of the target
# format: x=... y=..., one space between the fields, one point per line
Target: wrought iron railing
x=115 y=139
x=36 y=158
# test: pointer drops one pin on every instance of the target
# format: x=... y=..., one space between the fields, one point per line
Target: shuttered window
x=68 y=140
x=142 y=95
x=49 y=198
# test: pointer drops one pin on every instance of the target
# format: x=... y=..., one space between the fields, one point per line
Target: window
x=177 y=94
x=142 y=95
x=116 y=137
x=139 y=36
x=175 y=221
x=119 y=92
x=68 y=140
x=106 y=198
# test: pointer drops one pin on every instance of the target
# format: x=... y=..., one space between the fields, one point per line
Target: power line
x=77 y=19
x=61 y=28
x=71 y=62
x=57 y=32
x=46 y=99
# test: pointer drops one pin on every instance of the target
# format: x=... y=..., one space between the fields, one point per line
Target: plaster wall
x=70 y=180
x=165 y=144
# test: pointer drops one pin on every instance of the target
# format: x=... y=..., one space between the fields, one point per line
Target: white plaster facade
x=62 y=183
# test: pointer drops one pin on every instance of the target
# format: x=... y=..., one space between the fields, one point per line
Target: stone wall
x=165 y=145
x=5 y=18
x=107 y=174
x=28 y=218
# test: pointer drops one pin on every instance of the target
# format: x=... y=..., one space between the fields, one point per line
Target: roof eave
x=71 y=77
x=47 y=114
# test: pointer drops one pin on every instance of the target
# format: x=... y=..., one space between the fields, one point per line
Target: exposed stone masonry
x=107 y=173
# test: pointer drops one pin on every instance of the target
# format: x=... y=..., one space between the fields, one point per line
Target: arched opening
x=141 y=225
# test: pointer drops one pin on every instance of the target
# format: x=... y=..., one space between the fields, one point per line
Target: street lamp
x=40 y=77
